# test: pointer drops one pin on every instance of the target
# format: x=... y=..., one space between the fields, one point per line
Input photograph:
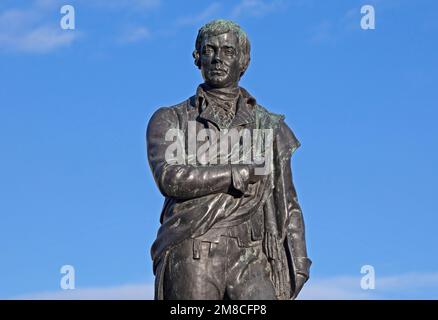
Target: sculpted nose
x=217 y=58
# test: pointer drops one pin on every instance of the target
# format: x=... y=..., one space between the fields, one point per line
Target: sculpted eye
x=207 y=50
x=230 y=51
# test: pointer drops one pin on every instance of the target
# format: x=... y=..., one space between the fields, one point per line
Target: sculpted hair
x=221 y=26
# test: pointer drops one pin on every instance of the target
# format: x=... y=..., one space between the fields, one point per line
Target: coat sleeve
x=295 y=234
x=178 y=180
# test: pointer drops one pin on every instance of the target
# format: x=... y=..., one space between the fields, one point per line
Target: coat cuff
x=240 y=177
x=302 y=266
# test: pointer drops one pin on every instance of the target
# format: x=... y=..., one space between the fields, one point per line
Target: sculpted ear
x=196 y=56
x=244 y=63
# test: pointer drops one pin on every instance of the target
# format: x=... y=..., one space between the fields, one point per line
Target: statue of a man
x=231 y=225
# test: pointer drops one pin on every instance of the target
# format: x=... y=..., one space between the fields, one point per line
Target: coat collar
x=244 y=111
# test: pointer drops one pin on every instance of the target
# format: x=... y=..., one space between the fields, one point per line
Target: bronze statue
x=231 y=225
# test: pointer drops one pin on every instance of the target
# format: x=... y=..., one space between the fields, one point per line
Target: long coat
x=284 y=236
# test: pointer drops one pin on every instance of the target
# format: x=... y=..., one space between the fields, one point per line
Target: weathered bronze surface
x=230 y=229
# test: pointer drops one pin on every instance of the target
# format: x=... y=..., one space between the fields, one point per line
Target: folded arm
x=182 y=181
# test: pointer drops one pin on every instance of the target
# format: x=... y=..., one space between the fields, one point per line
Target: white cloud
x=102 y=4
x=41 y=40
x=331 y=31
x=255 y=8
x=336 y=288
x=124 y=292
x=117 y=4
x=36 y=28
x=412 y=281
x=404 y=286
x=135 y=34
x=26 y=30
x=207 y=13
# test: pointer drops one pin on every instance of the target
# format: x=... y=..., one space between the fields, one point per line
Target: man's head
x=222 y=52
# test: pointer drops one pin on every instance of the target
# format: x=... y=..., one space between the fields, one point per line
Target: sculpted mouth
x=218 y=72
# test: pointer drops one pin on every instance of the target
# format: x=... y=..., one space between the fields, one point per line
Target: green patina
x=220 y=26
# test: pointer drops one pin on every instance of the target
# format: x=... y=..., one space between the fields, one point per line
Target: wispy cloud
x=255 y=8
x=36 y=29
x=134 y=34
x=103 y=4
x=41 y=40
x=404 y=286
x=243 y=8
x=118 y=4
x=124 y=292
x=207 y=13
x=26 y=30
x=330 y=31
x=336 y=288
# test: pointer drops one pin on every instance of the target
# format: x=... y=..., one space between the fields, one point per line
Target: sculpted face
x=220 y=56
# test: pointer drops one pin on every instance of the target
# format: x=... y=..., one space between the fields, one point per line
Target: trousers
x=199 y=270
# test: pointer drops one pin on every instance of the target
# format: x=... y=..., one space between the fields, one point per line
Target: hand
x=299 y=283
x=244 y=175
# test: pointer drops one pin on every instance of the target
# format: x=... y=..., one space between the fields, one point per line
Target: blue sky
x=74 y=104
